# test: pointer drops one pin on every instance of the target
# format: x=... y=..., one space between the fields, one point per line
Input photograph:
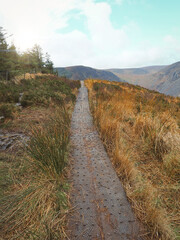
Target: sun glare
x=25 y=39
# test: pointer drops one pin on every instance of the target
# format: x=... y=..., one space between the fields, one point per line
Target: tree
x=48 y=64
x=3 y=53
x=25 y=65
x=12 y=63
x=9 y=58
x=36 y=58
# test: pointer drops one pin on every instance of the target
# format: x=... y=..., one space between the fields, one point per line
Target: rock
x=10 y=140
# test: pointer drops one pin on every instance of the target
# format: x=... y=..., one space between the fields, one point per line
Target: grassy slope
x=33 y=190
x=140 y=130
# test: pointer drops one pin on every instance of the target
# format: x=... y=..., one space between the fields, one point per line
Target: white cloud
x=33 y=21
x=103 y=36
x=71 y=49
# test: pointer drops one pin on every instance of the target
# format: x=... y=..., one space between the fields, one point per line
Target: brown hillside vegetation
x=140 y=130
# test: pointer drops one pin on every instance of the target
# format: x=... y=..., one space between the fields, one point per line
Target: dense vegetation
x=33 y=187
x=13 y=63
x=42 y=90
x=140 y=130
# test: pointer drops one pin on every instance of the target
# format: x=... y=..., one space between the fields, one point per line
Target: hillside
x=137 y=71
x=82 y=73
x=167 y=80
x=140 y=76
x=140 y=131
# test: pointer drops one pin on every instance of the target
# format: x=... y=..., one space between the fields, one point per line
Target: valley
x=165 y=79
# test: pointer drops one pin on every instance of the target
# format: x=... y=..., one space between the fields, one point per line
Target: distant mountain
x=139 y=76
x=137 y=71
x=167 y=80
x=82 y=73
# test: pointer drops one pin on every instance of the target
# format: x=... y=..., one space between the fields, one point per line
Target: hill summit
x=82 y=73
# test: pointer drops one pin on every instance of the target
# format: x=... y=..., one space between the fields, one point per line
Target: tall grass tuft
x=36 y=205
x=34 y=210
x=48 y=145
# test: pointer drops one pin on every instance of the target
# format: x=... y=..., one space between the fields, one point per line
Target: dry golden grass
x=29 y=76
x=34 y=211
x=140 y=130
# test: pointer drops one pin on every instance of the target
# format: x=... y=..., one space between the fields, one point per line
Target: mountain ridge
x=162 y=78
x=138 y=71
x=82 y=72
x=168 y=80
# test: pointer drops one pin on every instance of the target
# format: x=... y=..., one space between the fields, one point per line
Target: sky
x=97 y=33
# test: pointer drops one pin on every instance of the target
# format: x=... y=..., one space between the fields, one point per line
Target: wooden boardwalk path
x=101 y=207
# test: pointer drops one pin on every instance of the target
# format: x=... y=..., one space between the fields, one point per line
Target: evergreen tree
x=36 y=58
x=26 y=63
x=48 y=64
x=9 y=58
x=3 y=53
x=12 y=63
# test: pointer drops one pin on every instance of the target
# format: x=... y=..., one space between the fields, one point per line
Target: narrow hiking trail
x=101 y=210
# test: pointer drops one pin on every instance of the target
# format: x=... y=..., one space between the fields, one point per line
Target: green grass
x=37 y=199
x=7 y=110
x=33 y=186
x=48 y=145
x=42 y=90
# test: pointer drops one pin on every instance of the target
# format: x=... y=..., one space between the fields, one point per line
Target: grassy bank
x=140 y=130
x=34 y=192
x=42 y=90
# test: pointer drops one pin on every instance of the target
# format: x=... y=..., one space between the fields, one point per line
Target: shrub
x=40 y=90
x=7 y=110
x=9 y=92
